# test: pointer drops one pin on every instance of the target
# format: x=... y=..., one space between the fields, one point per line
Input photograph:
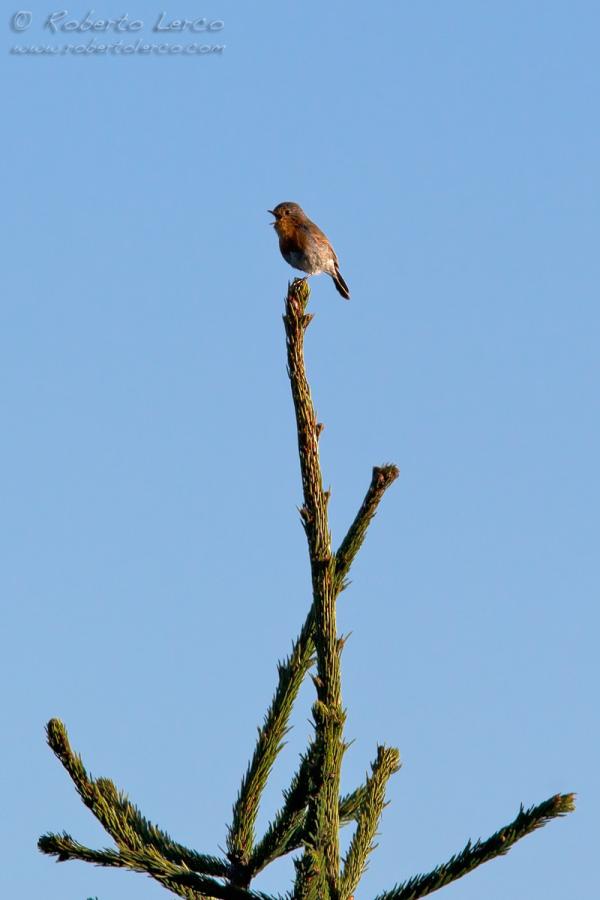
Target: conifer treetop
x=312 y=812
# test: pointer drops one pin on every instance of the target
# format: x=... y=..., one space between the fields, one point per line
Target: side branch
x=119 y=817
x=355 y=863
x=288 y=831
x=240 y=840
x=92 y=791
x=176 y=878
x=383 y=477
x=480 y=852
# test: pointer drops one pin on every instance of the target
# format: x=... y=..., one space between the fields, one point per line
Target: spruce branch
x=382 y=478
x=287 y=831
x=93 y=793
x=350 y=805
x=284 y=834
x=177 y=878
x=291 y=674
x=119 y=817
x=323 y=806
x=64 y=848
x=474 y=855
x=355 y=863
x=312 y=882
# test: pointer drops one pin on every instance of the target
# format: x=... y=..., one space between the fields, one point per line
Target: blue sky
x=154 y=568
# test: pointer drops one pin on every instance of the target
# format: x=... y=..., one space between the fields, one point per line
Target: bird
x=304 y=246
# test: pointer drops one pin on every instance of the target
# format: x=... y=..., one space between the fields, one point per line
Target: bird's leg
x=300 y=280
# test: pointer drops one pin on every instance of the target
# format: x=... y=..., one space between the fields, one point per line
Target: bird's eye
x=286 y=212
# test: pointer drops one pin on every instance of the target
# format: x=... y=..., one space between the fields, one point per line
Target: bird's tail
x=340 y=284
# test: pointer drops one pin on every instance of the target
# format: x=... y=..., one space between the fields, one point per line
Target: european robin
x=304 y=246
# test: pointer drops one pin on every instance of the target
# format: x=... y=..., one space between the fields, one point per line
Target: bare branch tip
x=384 y=475
x=565 y=803
x=56 y=735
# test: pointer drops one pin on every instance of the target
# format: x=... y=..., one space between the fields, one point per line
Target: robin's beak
x=272 y=213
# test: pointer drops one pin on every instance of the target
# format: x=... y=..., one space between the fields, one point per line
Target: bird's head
x=286 y=213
